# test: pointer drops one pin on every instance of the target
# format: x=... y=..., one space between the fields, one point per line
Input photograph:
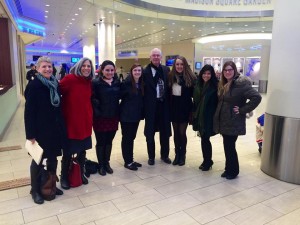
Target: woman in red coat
x=77 y=109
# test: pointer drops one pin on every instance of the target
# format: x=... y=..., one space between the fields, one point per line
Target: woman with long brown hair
x=236 y=99
x=131 y=112
x=181 y=82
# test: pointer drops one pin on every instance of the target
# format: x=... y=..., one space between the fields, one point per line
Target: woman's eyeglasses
x=229 y=70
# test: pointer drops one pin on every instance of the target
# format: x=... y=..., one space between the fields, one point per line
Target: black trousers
x=206 y=149
x=104 y=145
x=164 y=145
x=129 y=131
x=232 y=162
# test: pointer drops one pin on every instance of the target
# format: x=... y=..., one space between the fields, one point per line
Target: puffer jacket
x=240 y=94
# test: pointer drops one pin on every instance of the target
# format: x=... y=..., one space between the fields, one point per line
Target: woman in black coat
x=181 y=83
x=43 y=122
x=236 y=99
x=205 y=103
x=105 y=100
x=131 y=112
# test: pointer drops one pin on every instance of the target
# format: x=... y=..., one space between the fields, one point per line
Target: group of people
x=60 y=116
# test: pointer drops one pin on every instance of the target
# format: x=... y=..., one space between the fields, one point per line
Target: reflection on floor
x=160 y=194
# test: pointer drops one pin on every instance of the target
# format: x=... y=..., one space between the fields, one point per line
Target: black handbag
x=91 y=167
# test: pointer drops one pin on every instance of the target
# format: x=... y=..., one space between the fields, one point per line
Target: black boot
x=176 y=160
x=107 y=167
x=182 y=157
x=100 y=156
x=65 y=166
x=35 y=183
x=81 y=161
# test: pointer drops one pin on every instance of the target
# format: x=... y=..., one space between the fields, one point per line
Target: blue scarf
x=52 y=84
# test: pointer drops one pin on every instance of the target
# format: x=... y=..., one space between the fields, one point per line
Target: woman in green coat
x=205 y=104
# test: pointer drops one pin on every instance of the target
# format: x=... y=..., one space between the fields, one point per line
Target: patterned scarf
x=52 y=84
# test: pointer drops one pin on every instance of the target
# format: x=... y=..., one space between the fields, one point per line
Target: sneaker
x=137 y=164
x=131 y=166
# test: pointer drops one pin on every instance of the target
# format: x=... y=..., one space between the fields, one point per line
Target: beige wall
x=185 y=48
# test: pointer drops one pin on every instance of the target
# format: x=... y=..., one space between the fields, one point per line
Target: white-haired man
x=157 y=118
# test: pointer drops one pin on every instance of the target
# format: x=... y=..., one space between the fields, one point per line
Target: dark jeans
x=129 y=131
x=232 y=162
x=206 y=149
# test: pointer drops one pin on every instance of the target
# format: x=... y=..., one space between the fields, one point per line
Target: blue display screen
x=74 y=60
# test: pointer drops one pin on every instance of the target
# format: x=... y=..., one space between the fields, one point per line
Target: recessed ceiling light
x=143 y=25
x=229 y=28
x=173 y=23
x=109 y=11
x=179 y=35
x=47 y=5
x=66 y=29
x=263 y=27
x=151 y=21
x=135 y=29
x=212 y=27
x=199 y=30
x=70 y=23
x=46 y=16
x=46 y=11
x=76 y=14
x=172 y=31
x=246 y=25
x=128 y=19
x=193 y=25
x=80 y=8
x=73 y=19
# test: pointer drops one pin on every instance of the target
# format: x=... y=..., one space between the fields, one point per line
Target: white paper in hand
x=34 y=150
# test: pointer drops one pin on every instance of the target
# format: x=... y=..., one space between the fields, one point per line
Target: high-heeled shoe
x=207 y=166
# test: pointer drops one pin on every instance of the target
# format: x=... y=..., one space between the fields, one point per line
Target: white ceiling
x=67 y=24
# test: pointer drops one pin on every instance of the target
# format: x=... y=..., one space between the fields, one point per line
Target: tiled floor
x=161 y=194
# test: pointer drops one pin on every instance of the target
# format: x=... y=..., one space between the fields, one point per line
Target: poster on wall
x=224 y=60
x=239 y=62
x=252 y=69
x=206 y=61
x=216 y=64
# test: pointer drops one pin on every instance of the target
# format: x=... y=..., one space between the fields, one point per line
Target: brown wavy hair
x=224 y=85
x=188 y=75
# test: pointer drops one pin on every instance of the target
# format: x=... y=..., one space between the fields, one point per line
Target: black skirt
x=180 y=110
x=76 y=146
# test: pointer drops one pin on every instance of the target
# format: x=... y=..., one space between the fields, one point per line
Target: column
x=89 y=48
x=281 y=147
x=106 y=42
x=264 y=69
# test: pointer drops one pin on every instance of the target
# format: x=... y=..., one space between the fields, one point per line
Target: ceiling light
x=46 y=16
x=143 y=25
x=128 y=19
x=246 y=25
x=76 y=14
x=230 y=37
x=47 y=5
x=193 y=25
x=173 y=23
x=151 y=21
x=46 y=11
x=263 y=27
x=80 y=8
x=199 y=30
x=73 y=19
x=212 y=27
x=109 y=11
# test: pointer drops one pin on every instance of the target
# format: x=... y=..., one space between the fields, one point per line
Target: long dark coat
x=240 y=94
x=43 y=121
x=150 y=102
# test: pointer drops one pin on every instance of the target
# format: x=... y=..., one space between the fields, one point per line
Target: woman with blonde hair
x=44 y=123
x=236 y=99
x=181 y=83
